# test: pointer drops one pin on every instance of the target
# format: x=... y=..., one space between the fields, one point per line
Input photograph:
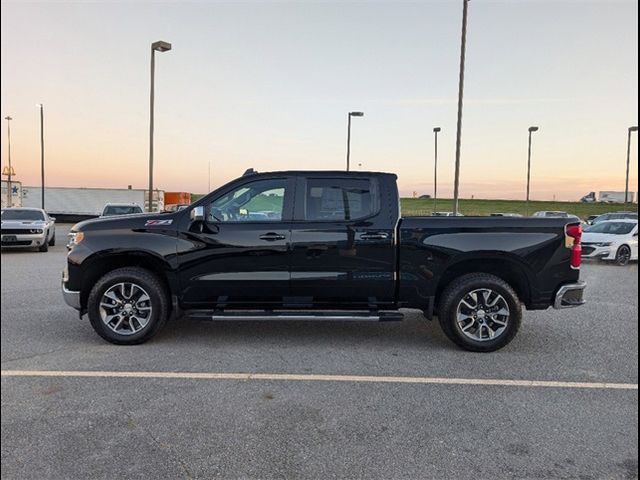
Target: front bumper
x=570 y=296
x=23 y=240
x=71 y=298
x=602 y=253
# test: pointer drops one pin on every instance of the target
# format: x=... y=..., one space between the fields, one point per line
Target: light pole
x=9 y=169
x=159 y=46
x=463 y=50
x=351 y=114
x=41 y=107
x=626 y=188
x=531 y=130
x=436 y=130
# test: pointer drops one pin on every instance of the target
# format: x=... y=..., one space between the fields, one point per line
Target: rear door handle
x=374 y=236
x=271 y=237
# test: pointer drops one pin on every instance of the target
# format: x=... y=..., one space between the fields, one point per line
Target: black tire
x=623 y=256
x=159 y=300
x=452 y=297
x=52 y=242
x=44 y=247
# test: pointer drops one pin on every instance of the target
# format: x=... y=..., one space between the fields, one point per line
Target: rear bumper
x=570 y=296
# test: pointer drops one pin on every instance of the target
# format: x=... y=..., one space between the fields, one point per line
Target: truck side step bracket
x=314 y=315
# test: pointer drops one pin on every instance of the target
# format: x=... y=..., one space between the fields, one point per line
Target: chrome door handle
x=271 y=237
x=374 y=236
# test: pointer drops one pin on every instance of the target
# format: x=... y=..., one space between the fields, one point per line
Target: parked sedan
x=113 y=209
x=28 y=227
x=614 y=240
x=615 y=216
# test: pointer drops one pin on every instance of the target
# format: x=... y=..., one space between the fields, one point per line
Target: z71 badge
x=157 y=223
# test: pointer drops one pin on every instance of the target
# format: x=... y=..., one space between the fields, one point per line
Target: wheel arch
x=99 y=265
x=503 y=267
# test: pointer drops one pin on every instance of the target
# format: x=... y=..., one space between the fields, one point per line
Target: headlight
x=75 y=238
x=604 y=244
x=35 y=230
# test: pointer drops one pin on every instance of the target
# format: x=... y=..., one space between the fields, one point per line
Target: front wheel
x=623 y=256
x=128 y=306
x=480 y=312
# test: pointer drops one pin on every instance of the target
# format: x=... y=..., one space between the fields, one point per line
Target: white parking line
x=321 y=378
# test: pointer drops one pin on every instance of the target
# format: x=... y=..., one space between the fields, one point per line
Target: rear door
x=343 y=243
x=238 y=257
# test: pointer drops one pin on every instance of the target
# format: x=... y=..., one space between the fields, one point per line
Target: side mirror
x=53 y=219
x=197 y=214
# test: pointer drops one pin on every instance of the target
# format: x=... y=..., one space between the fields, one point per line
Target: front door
x=238 y=257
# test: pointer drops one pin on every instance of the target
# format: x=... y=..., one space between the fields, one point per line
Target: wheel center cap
x=128 y=308
x=481 y=314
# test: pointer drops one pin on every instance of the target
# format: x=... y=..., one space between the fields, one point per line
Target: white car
x=446 y=214
x=27 y=228
x=615 y=240
x=113 y=209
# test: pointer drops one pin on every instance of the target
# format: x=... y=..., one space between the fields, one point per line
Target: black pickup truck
x=319 y=246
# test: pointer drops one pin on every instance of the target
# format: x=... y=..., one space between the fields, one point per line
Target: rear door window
x=335 y=199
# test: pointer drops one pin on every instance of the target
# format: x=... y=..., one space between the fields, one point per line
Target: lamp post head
x=633 y=129
x=437 y=129
x=161 y=46
x=356 y=114
x=8 y=118
x=534 y=129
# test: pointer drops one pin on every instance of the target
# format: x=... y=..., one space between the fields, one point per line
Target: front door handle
x=374 y=236
x=271 y=237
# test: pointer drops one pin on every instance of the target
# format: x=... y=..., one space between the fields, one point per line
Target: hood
x=23 y=223
x=136 y=220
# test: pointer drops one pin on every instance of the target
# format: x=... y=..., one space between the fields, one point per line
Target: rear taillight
x=574 y=232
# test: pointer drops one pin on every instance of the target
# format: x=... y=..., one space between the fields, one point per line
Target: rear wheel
x=623 y=256
x=480 y=312
x=128 y=306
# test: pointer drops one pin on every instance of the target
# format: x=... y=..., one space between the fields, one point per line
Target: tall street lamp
x=41 y=107
x=463 y=50
x=9 y=170
x=626 y=188
x=436 y=130
x=159 y=46
x=531 y=130
x=351 y=114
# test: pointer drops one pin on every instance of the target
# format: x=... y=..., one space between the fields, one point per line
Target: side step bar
x=313 y=315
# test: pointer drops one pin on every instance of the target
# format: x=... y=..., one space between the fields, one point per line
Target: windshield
x=613 y=228
x=121 y=210
x=16 y=214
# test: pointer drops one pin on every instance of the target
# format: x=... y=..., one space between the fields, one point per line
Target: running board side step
x=268 y=315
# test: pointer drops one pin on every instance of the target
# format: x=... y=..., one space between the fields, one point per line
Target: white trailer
x=614 y=197
x=86 y=201
x=16 y=194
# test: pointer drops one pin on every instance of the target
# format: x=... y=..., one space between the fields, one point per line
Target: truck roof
x=323 y=173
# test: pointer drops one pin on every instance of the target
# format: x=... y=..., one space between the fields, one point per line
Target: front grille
x=16 y=244
x=587 y=250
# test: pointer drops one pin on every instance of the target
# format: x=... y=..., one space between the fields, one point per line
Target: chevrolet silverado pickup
x=319 y=246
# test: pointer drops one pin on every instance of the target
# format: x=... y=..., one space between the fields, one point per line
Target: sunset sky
x=268 y=85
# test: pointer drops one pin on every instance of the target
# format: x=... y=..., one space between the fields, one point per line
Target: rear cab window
x=340 y=199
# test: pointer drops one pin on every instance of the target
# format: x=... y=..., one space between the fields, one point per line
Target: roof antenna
x=249 y=171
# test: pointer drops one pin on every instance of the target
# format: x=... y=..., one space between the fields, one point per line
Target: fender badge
x=156 y=223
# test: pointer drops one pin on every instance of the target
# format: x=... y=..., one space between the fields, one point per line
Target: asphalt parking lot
x=312 y=427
